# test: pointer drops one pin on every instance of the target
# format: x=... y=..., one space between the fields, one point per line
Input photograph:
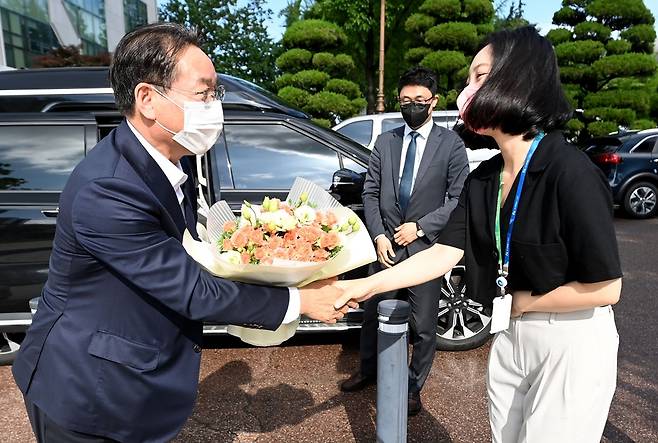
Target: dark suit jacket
x=114 y=347
x=439 y=181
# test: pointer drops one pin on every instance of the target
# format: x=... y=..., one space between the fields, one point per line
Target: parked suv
x=365 y=129
x=263 y=147
x=630 y=162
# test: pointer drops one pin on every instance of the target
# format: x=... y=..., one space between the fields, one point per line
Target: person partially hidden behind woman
x=535 y=226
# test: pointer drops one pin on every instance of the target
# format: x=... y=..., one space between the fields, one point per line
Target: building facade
x=30 y=28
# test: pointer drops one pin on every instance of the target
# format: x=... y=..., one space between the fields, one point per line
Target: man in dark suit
x=414 y=180
x=114 y=349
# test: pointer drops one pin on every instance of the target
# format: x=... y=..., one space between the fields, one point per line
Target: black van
x=64 y=112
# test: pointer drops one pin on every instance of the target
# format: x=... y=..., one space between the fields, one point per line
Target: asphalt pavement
x=290 y=393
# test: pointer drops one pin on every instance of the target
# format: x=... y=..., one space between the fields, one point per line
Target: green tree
x=316 y=74
x=235 y=37
x=605 y=52
x=445 y=35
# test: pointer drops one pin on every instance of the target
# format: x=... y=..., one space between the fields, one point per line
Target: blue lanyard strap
x=503 y=261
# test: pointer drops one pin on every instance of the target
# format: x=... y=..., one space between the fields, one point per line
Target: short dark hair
x=148 y=54
x=522 y=93
x=419 y=76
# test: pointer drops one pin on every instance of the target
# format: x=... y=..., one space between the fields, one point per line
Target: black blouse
x=563 y=232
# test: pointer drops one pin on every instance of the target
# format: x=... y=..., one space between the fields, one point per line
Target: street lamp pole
x=382 y=28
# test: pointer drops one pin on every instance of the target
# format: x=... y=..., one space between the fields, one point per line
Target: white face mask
x=202 y=125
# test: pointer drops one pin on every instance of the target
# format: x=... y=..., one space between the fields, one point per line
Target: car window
x=359 y=131
x=272 y=156
x=350 y=164
x=446 y=121
x=39 y=158
x=646 y=147
x=602 y=146
x=391 y=123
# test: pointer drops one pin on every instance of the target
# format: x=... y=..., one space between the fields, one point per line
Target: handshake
x=329 y=300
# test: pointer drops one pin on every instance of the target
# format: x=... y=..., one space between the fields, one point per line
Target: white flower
x=281 y=219
x=305 y=215
x=232 y=257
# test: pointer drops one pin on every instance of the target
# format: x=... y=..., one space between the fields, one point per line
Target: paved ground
x=290 y=393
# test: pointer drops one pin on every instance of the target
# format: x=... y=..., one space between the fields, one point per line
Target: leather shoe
x=357 y=382
x=414 y=406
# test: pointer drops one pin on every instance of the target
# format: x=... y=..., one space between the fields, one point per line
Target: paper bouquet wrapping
x=306 y=238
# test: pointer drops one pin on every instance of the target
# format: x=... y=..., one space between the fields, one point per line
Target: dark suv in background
x=264 y=146
x=630 y=162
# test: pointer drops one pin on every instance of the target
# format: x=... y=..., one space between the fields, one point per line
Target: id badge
x=502 y=311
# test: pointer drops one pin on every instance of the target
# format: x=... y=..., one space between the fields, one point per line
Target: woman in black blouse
x=535 y=227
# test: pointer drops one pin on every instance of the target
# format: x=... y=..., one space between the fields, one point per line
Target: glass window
x=271 y=156
x=359 y=131
x=88 y=17
x=135 y=13
x=646 y=147
x=350 y=164
x=39 y=158
x=391 y=123
x=35 y=9
x=25 y=38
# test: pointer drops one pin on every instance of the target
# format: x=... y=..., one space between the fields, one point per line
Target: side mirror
x=347 y=186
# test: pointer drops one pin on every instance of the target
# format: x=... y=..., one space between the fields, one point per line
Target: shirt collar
x=173 y=172
x=424 y=130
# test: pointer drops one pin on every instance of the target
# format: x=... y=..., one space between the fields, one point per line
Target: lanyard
x=503 y=261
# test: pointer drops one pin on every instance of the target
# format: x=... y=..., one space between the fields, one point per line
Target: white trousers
x=551 y=377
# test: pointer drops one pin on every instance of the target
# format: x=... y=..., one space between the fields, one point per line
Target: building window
x=25 y=36
x=88 y=18
x=135 y=13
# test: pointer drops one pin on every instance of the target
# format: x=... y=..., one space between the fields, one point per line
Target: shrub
x=615 y=47
x=453 y=35
x=445 y=9
x=592 y=31
x=418 y=23
x=559 y=35
x=295 y=96
x=444 y=62
x=311 y=80
x=643 y=124
x=641 y=38
x=478 y=11
x=574 y=126
x=622 y=116
x=620 y=14
x=567 y=16
x=640 y=103
x=601 y=128
x=322 y=122
x=294 y=60
x=577 y=74
x=328 y=104
x=346 y=87
x=584 y=51
x=625 y=65
x=415 y=55
x=314 y=35
x=284 y=80
x=324 y=61
x=344 y=65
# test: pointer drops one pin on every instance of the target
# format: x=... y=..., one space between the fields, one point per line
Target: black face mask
x=415 y=114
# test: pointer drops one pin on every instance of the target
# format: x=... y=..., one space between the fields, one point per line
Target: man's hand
x=385 y=252
x=318 y=299
x=405 y=233
x=520 y=302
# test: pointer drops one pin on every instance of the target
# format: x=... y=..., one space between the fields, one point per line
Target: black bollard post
x=392 y=371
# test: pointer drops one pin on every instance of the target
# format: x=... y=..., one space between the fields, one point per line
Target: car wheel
x=640 y=200
x=9 y=345
x=462 y=323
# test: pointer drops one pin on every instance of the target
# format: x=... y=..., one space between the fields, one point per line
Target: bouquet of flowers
x=305 y=238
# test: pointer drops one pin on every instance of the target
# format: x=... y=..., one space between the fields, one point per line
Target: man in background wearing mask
x=113 y=352
x=414 y=180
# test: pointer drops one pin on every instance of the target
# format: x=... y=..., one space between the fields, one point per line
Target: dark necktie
x=406 y=182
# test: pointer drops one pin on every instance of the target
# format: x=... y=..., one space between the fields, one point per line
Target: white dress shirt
x=176 y=176
x=421 y=142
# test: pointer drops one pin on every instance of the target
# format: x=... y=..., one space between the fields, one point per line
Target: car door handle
x=50 y=212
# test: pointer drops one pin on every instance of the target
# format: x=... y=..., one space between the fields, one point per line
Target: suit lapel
x=431 y=150
x=189 y=203
x=396 y=154
x=151 y=173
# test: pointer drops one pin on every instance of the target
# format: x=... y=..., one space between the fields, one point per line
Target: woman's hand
x=354 y=291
